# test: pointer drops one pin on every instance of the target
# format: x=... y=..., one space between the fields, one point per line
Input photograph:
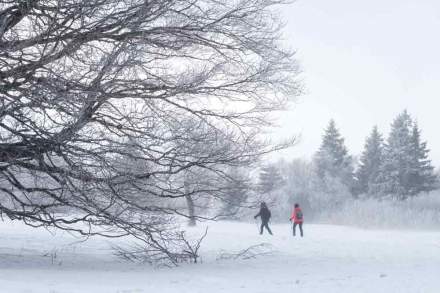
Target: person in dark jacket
x=298 y=219
x=265 y=215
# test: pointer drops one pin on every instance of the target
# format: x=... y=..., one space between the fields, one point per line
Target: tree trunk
x=191 y=214
x=189 y=203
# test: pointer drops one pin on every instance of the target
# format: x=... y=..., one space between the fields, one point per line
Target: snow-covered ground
x=329 y=259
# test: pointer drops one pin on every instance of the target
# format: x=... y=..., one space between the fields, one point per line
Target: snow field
x=329 y=259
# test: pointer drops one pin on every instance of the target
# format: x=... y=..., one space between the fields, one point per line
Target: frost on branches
x=370 y=163
x=104 y=105
x=406 y=169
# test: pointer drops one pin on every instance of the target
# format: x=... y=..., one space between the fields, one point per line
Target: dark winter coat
x=264 y=214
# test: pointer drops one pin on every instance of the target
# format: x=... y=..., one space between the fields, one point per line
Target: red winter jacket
x=294 y=216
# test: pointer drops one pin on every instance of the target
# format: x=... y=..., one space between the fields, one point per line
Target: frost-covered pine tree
x=422 y=176
x=269 y=179
x=370 y=162
x=397 y=163
x=406 y=169
x=237 y=189
x=332 y=158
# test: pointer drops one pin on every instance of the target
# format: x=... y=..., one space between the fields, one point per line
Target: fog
x=363 y=63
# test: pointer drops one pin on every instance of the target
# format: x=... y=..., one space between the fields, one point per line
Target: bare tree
x=80 y=80
x=189 y=201
x=254 y=251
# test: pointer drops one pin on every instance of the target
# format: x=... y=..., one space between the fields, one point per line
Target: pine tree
x=332 y=158
x=406 y=169
x=396 y=167
x=370 y=162
x=237 y=187
x=422 y=176
x=270 y=179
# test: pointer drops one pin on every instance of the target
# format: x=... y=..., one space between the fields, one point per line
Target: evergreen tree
x=422 y=176
x=406 y=169
x=370 y=162
x=332 y=158
x=237 y=188
x=270 y=179
x=397 y=164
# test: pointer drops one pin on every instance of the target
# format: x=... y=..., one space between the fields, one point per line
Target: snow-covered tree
x=370 y=162
x=332 y=158
x=328 y=194
x=422 y=176
x=406 y=169
x=269 y=179
x=78 y=78
x=236 y=189
x=298 y=188
x=396 y=167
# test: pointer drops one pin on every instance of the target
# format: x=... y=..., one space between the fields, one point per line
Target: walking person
x=298 y=219
x=265 y=215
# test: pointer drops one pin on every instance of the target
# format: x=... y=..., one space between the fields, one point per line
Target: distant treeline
x=397 y=167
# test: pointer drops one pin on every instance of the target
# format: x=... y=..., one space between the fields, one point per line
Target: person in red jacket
x=298 y=219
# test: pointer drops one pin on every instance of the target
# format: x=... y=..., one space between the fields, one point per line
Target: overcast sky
x=363 y=63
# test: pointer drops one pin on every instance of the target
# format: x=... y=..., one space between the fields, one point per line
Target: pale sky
x=364 y=62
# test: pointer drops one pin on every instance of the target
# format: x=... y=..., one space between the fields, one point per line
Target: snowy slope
x=328 y=259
